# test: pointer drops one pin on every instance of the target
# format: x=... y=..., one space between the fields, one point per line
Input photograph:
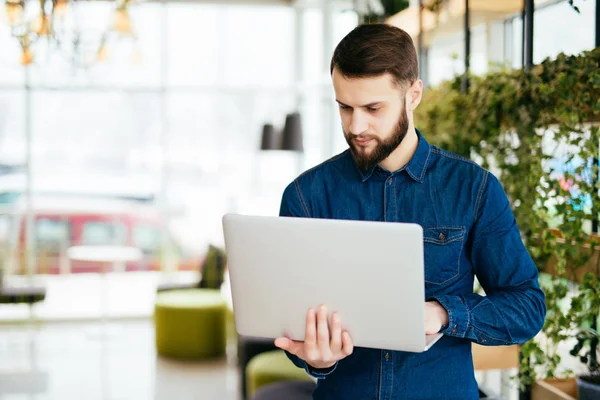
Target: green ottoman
x=190 y=323
x=270 y=367
x=231 y=331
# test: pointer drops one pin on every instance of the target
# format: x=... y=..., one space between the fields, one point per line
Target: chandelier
x=47 y=23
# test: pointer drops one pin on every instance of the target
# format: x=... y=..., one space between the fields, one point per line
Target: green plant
x=538 y=132
x=585 y=309
x=392 y=7
x=369 y=14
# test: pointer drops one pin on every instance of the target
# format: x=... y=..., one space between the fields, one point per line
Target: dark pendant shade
x=269 y=138
x=292 y=133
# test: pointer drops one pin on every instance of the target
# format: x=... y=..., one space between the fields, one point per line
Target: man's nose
x=358 y=124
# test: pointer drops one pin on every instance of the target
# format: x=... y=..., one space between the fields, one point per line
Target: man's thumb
x=286 y=344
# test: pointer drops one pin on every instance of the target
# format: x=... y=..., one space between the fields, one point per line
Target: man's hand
x=436 y=316
x=320 y=349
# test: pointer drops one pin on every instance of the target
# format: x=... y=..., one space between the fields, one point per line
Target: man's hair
x=374 y=49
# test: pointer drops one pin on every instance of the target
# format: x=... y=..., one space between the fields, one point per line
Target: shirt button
x=389 y=181
x=442 y=237
x=454 y=329
x=387 y=356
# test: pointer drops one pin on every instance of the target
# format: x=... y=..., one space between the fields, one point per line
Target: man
x=391 y=173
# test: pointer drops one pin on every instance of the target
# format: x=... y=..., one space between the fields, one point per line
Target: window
x=52 y=234
x=560 y=29
x=9 y=197
x=146 y=237
x=104 y=233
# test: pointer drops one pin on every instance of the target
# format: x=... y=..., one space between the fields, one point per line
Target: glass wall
x=140 y=142
x=498 y=42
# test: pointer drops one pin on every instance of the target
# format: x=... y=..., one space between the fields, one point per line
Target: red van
x=105 y=227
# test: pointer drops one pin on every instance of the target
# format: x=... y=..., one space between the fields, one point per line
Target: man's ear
x=414 y=94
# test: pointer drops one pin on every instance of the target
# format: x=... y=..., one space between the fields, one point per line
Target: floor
x=112 y=295
x=116 y=360
x=103 y=361
x=63 y=357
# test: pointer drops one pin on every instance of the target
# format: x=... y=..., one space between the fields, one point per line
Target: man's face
x=373 y=113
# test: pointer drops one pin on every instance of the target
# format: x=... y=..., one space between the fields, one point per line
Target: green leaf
x=507 y=120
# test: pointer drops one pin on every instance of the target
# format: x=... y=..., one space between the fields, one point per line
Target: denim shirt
x=469 y=231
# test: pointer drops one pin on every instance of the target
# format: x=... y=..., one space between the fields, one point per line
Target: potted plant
x=505 y=123
x=585 y=309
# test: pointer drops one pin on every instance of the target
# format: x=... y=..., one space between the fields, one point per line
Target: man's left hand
x=435 y=317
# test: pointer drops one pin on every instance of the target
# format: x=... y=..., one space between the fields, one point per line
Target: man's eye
x=344 y=107
x=373 y=109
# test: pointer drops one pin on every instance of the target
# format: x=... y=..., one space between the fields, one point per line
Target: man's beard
x=383 y=148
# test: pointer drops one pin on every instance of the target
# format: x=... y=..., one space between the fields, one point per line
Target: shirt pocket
x=442 y=250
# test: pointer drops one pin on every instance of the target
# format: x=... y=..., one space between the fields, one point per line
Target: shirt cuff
x=319 y=373
x=458 y=315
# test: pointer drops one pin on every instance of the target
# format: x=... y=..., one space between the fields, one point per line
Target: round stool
x=230 y=326
x=190 y=323
x=270 y=367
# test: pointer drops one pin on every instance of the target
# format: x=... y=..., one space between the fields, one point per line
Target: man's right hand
x=320 y=349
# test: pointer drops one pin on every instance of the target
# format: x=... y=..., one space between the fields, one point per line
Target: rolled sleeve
x=458 y=315
x=320 y=373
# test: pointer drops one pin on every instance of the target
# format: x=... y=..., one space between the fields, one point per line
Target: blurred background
x=128 y=128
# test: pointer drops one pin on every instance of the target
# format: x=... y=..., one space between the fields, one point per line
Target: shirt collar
x=415 y=168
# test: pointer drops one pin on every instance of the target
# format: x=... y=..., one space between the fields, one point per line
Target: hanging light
x=270 y=138
x=14 y=11
x=122 y=21
x=103 y=52
x=26 y=56
x=59 y=8
x=42 y=24
x=49 y=22
x=292 y=133
x=26 y=53
x=120 y=27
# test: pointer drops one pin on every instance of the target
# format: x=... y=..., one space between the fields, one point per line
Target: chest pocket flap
x=443 y=247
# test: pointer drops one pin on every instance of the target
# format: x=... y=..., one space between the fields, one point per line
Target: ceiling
x=450 y=18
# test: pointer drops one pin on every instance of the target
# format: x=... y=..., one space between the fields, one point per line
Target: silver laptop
x=371 y=273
